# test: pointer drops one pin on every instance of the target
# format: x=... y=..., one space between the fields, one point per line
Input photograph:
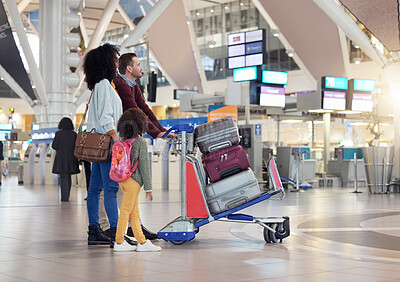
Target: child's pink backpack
x=121 y=168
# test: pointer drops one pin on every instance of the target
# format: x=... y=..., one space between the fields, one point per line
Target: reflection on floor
x=335 y=236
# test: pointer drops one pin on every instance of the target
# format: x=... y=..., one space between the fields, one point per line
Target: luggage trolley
x=194 y=209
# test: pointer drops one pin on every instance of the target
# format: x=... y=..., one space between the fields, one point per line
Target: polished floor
x=335 y=236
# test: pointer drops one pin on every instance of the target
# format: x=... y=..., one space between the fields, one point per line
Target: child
x=132 y=124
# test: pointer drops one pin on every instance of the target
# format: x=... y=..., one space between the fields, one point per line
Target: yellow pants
x=129 y=211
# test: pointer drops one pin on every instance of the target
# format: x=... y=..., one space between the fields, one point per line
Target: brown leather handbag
x=90 y=146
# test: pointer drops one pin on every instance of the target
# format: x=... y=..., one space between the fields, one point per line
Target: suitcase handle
x=237 y=202
x=231 y=171
x=219 y=146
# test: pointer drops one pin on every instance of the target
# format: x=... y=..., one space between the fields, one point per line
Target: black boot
x=96 y=236
x=148 y=234
x=113 y=230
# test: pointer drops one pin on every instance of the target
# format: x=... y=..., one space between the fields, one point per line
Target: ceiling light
x=275 y=32
x=212 y=11
x=126 y=36
x=174 y=105
x=241 y=3
x=226 y=7
x=33 y=86
x=2 y=78
x=357 y=60
x=356 y=46
x=197 y=14
x=290 y=52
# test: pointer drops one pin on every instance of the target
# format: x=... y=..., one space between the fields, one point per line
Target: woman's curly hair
x=99 y=63
x=132 y=124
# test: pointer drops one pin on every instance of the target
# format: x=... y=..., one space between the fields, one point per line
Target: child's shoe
x=147 y=247
x=123 y=247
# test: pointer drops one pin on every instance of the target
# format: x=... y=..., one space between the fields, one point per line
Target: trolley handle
x=177 y=128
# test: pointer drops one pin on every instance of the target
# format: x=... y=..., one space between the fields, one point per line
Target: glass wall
x=212 y=26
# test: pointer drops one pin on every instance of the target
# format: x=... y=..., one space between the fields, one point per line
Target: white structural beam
x=351 y=29
x=125 y=16
x=196 y=51
x=83 y=31
x=145 y=24
x=23 y=4
x=34 y=70
x=98 y=34
x=285 y=42
x=15 y=86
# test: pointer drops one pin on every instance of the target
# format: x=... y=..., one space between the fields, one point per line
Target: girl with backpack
x=131 y=125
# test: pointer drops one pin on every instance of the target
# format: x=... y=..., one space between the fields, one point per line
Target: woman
x=65 y=162
x=105 y=108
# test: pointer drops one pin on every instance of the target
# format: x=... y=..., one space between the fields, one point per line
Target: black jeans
x=65 y=183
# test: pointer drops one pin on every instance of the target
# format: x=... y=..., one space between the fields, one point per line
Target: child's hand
x=149 y=196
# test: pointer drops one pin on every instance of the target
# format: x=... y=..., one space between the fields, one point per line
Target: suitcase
x=225 y=162
x=215 y=135
x=232 y=191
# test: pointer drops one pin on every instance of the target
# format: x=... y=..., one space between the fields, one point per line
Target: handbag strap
x=84 y=115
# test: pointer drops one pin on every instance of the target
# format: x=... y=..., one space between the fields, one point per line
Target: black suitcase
x=216 y=135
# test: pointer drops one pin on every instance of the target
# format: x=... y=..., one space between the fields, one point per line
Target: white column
x=392 y=72
x=327 y=136
x=52 y=52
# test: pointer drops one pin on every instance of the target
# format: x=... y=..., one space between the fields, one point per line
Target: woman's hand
x=149 y=196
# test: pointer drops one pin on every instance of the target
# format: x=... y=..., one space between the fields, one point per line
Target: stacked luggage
x=226 y=164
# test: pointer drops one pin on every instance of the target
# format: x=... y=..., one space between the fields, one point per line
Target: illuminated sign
x=274 y=77
x=244 y=74
x=5 y=126
x=335 y=82
x=236 y=38
x=333 y=100
x=272 y=96
x=254 y=60
x=236 y=62
x=253 y=48
x=252 y=53
x=256 y=35
x=364 y=85
x=362 y=102
x=236 y=50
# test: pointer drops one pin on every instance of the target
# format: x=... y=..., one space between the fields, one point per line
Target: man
x=130 y=94
x=131 y=97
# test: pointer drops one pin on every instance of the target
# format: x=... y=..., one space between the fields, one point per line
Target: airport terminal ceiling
x=383 y=24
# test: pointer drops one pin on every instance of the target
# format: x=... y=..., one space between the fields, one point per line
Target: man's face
x=135 y=69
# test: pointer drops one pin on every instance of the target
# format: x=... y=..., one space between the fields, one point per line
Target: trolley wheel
x=266 y=235
x=177 y=242
x=272 y=236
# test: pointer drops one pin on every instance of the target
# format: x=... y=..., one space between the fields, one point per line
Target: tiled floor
x=335 y=236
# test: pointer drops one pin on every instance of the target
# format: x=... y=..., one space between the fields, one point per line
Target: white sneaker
x=123 y=247
x=147 y=247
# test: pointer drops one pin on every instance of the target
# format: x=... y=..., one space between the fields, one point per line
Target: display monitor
x=333 y=100
x=236 y=38
x=254 y=60
x=362 y=102
x=38 y=150
x=245 y=74
x=236 y=50
x=27 y=152
x=335 y=82
x=256 y=35
x=49 y=151
x=253 y=48
x=274 y=77
x=272 y=96
x=364 y=85
x=236 y=62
